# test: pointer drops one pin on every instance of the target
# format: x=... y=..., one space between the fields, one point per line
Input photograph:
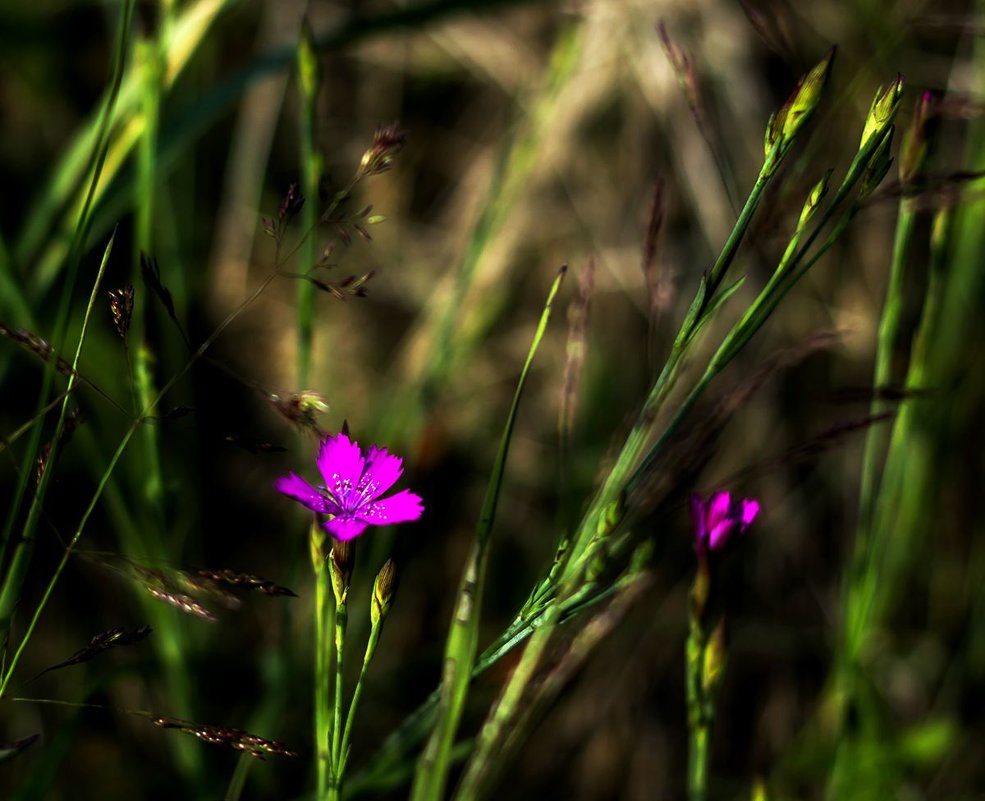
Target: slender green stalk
x=371 y=643
x=311 y=168
x=341 y=623
x=432 y=770
x=238 y=780
x=697 y=762
x=323 y=753
x=36 y=506
x=16 y=571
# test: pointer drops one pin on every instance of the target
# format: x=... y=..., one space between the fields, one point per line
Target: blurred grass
x=515 y=162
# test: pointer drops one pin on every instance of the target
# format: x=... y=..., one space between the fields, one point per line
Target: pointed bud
x=611 y=517
x=340 y=563
x=914 y=150
x=814 y=199
x=878 y=165
x=383 y=589
x=316 y=544
x=787 y=122
x=882 y=111
x=713 y=667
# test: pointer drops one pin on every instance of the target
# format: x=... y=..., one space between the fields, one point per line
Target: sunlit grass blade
x=460 y=650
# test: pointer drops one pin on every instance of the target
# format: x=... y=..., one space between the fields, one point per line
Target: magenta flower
x=718 y=518
x=353 y=485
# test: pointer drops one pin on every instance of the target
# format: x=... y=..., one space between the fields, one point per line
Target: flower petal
x=344 y=528
x=750 y=508
x=719 y=506
x=399 y=508
x=382 y=471
x=293 y=486
x=341 y=464
x=720 y=533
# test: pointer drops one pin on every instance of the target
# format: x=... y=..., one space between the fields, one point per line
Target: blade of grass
x=15 y=572
x=10 y=594
x=431 y=775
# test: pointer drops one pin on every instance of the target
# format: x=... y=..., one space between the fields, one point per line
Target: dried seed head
x=103 y=641
x=291 y=204
x=387 y=142
x=229 y=578
x=383 y=589
x=183 y=602
x=224 y=735
x=301 y=408
x=121 y=307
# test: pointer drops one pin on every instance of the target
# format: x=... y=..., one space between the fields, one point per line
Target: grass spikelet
x=185 y=603
x=12 y=749
x=246 y=581
x=104 y=641
x=301 y=409
x=251 y=744
x=38 y=346
x=121 y=307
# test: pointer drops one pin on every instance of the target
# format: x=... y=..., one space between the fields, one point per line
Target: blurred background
x=537 y=135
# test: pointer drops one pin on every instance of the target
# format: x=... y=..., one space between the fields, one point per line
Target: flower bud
x=882 y=111
x=786 y=123
x=814 y=199
x=713 y=666
x=340 y=564
x=878 y=165
x=383 y=589
x=914 y=150
x=316 y=544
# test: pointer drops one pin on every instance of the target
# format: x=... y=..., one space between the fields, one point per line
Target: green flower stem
x=341 y=623
x=462 y=644
x=323 y=754
x=308 y=82
x=16 y=570
x=698 y=719
x=374 y=638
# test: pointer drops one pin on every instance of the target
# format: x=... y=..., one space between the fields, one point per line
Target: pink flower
x=718 y=518
x=353 y=485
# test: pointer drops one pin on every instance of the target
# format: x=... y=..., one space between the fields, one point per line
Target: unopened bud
x=383 y=589
x=786 y=123
x=878 y=165
x=611 y=517
x=316 y=544
x=814 y=199
x=340 y=563
x=914 y=150
x=882 y=111
x=714 y=660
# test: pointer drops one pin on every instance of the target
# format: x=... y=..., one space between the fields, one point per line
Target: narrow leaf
x=431 y=774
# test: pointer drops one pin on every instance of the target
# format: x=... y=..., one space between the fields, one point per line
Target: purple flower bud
x=719 y=518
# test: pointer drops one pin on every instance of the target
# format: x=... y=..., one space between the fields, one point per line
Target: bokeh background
x=536 y=133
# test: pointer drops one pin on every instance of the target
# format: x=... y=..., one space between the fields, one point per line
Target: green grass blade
x=432 y=770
